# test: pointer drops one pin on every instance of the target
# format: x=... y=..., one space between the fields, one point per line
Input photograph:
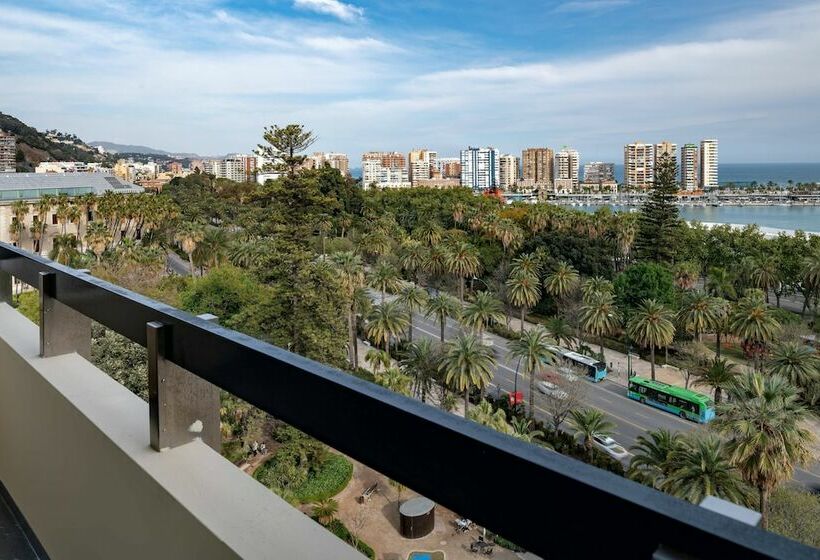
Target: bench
x=369 y=491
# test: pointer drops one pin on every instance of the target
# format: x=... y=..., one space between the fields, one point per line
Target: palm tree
x=429 y=233
x=721 y=308
x=421 y=362
x=324 y=225
x=378 y=359
x=766 y=275
x=591 y=288
x=413 y=298
x=651 y=325
x=247 y=254
x=19 y=211
x=698 y=313
x=718 y=375
x=386 y=321
x=600 y=317
x=796 y=362
x=589 y=422
x=64 y=249
x=811 y=277
x=325 y=510
x=561 y=281
x=441 y=306
x=384 y=277
x=44 y=206
x=526 y=263
x=462 y=261
x=523 y=291
x=721 y=283
x=560 y=330
x=651 y=452
x=699 y=467
x=533 y=349
x=188 y=235
x=686 y=275
x=97 y=238
x=482 y=312
x=394 y=380
x=522 y=429
x=412 y=255
x=764 y=424
x=435 y=261
x=753 y=322
x=467 y=364
x=212 y=250
x=484 y=414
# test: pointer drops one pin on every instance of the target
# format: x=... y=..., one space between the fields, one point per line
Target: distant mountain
x=34 y=146
x=113 y=147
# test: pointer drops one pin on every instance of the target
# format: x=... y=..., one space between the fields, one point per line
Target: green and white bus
x=677 y=400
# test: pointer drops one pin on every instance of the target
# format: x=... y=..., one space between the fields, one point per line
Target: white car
x=610 y=447
x=551 y=390
x=568 y=374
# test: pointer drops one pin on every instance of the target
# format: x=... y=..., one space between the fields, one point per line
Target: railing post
x=62 y=330
x=182 y=407
x=6 y=292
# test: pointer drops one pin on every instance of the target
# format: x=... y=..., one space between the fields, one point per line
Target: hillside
x=34 y=146
x=115 y=148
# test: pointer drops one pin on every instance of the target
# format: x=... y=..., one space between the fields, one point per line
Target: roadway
x=630 y=418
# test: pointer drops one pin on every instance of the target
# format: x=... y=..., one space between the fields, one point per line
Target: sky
x=206 y=76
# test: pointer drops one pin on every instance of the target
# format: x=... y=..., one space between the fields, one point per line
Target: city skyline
x=364 y=76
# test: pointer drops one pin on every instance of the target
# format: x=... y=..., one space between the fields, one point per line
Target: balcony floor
x=14 y=544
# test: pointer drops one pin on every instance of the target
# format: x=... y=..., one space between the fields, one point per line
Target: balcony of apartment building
x=89 y=470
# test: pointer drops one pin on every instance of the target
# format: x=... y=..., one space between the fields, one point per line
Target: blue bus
x=594 y=369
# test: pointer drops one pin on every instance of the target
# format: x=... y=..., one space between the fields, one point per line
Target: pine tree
x=659 y=226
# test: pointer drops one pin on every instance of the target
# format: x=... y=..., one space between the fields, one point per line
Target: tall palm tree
x=591 y=288
x=351 y=275
x=651 y=452
x=533 y=349
x=698 y=313
x=212 y=250
x=386 y=321
x=721 y=283
x=429 y=233
x=462 y=261
x=413 y=298
x=65 y=248
x=44 y=206
x=766 y=275
x=248 y=253
x=719 y=375
x=441 y=306
x=699 y=466
x=482 y=312
x=796 y=362
x=600 y=317
x=435 y=262
x=686 y=275
x=412 y=255
x=97 y=238
x=19 y=211
x=766 y=438
x=526 y=263
x=561 y=281
x=188 y=235
x=384 y=277
x=722 y=309
x=378 y=359
x=523 y=290
x=421 y=362
x=811 y=278
x=560 y=330
x=754 y=323
x=324 y=225
x=467 y=364
x=651 y=325
x=589 y=422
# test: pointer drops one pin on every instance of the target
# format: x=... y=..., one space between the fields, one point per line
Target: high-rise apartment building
x=450 y=168
x=537 y=166
x=566 y=170
x=709 y=164
x=385 y=170
x=666 y=148
x=639 y=165
x=508 y=165
x=422 y=165
x=240 y=168
x=335 y=160
x=8 y=153
x=599 y=172
x=689 y=167
x=479 y=168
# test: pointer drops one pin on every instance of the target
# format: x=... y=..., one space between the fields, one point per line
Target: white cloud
x=342 y=45
x=345 y=12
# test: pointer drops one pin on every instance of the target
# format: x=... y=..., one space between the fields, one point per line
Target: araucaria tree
x=659 y=227
x=284 y=146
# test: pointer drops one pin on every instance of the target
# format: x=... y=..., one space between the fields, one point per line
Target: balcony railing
x=550 y=504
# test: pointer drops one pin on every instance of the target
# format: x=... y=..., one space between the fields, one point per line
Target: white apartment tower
x=8 y=153
x=508 y=166
x=566 y=170
x=689 y=167
x=639 y=165
x=479 y=168
x=709 y=164
x=385 y=170
x=422 y=164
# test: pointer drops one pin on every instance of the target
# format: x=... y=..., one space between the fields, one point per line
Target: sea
x=744 y=173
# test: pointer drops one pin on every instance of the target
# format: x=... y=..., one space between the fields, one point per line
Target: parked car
x=610 y=447
x=551 y=390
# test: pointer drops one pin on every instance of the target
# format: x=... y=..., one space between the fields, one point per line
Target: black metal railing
x=550 y=504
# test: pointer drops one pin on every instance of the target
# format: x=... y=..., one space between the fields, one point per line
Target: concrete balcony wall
x=75 y=457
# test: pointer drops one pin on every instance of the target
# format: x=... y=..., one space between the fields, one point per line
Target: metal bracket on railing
x=6 y=292
x=62 y=330
x=182 y=406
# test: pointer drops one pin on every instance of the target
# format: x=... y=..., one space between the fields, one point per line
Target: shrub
x=338 y=528
x=795 y=513
x=327 y=481
x=501 y=541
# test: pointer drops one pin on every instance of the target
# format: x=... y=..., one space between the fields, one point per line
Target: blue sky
x=207 y=75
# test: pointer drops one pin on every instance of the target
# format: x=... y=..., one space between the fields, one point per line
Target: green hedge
x=331 y=478
x=338 y=528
